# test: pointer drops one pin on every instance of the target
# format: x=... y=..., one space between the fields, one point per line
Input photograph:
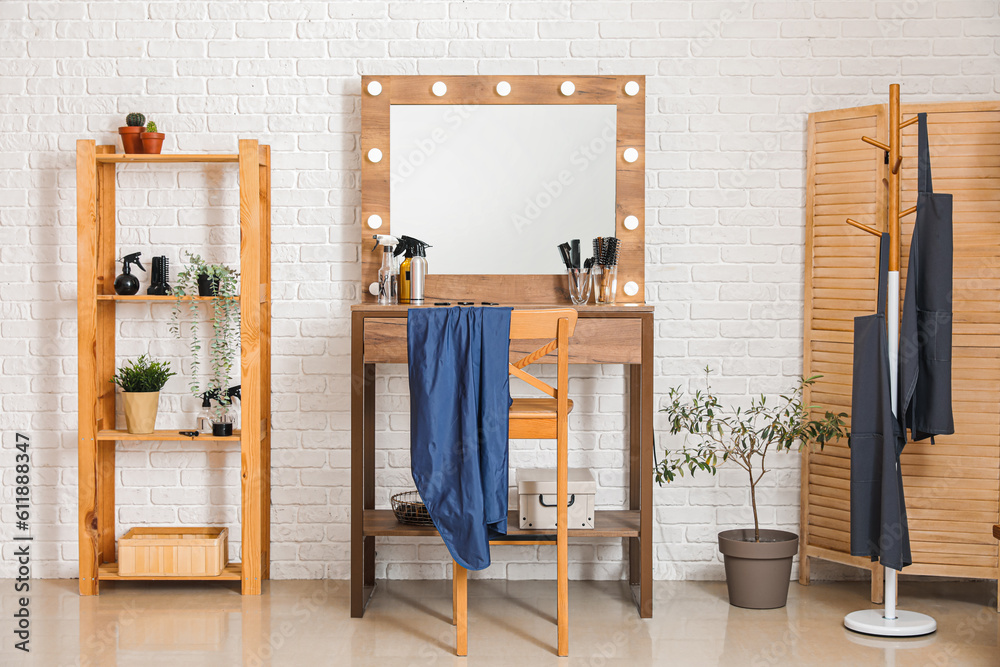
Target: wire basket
x=410 y=509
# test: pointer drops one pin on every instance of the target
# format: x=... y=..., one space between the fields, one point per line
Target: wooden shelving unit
x=96 y=321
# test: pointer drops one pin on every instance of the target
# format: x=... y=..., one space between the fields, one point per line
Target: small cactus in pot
x=152 y=141
x=132 y=132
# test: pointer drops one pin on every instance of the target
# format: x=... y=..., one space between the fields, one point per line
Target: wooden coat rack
x=891 y=622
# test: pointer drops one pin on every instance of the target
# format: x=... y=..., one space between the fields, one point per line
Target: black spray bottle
x=127 y=284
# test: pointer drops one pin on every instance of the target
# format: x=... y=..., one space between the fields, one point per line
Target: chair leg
x=562 y=545
x=460 y=608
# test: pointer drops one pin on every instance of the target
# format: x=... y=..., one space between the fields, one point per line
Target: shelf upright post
x=251 y=447
x=86 y=304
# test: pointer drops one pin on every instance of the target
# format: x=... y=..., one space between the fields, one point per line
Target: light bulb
x=439 y=88
x=375 y=155
x=567 y=88
x=374 y=88
x=374 y=221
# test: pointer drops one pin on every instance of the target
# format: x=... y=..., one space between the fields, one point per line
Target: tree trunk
x=753 y=503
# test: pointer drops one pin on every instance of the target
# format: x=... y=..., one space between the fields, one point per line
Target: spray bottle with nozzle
x=388 y=287
x=412 y=270
x=126 y=283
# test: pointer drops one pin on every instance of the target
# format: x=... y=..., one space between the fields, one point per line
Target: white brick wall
x=729 y=87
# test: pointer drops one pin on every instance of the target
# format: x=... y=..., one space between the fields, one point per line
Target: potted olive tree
x=221 y=285
x=758 y=561
x=141 y=381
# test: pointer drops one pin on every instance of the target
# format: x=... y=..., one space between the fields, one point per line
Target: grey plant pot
x=758 y=573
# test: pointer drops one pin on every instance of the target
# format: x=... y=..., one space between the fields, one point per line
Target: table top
x=587 y=309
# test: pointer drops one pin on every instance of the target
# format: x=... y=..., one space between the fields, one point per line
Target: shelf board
x=607 y=523
x=148 y=297
x=167 y=157
x=109 y=572
x=121 y=434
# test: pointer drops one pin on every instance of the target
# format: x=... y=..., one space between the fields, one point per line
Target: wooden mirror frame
x=630 y=193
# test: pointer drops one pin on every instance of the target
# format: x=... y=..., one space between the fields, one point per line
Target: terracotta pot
x=131 y=139
x=140 y=411
x=757 y=573
x=152 y=142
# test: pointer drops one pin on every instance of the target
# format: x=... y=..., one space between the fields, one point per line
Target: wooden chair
x=530 y=418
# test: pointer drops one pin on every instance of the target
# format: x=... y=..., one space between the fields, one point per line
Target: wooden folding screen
x=952 y=487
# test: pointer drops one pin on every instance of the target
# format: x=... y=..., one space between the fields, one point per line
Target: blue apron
x=459 y=404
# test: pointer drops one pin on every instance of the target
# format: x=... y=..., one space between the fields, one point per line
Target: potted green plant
x=152 y=140
x=224 y=348
x=759 y=561
x=131 y=133
x=141 y=381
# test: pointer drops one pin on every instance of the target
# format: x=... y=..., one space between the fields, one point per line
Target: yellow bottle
x=404 y=280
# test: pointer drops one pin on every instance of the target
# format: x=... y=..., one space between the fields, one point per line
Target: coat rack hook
x=876 y=143
x=863 y=227
x=908 y=122
x=895 y=167
x=912 y=209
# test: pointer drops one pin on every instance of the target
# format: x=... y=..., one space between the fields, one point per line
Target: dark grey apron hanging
x=878 y=512
x=925 y=332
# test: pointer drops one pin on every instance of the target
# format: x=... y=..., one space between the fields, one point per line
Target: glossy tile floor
x=306 y=623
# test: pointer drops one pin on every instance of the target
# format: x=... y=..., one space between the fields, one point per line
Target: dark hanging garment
x=925 y=332
x=878 y=511
x=459 y=404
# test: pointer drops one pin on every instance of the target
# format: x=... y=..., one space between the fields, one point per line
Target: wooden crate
x=173 y=552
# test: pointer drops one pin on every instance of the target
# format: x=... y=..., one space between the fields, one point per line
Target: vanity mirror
x=496 y=172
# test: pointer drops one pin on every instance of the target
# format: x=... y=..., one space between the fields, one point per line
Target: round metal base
x=906 y=623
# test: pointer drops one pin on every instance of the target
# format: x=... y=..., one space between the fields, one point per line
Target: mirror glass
x=496 y=188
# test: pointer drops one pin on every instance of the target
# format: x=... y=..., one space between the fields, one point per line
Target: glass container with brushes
x=606 y=252
x=579 y=277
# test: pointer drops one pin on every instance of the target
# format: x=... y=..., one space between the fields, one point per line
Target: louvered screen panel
x=840 y=277
x=953 y=487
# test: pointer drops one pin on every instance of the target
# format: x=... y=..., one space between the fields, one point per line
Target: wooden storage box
x=173 y=552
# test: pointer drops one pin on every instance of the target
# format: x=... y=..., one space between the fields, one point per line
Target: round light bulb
x=631 y=288
x=439 y=88
x=567 y=88
x=374 y=88
x=630 y=155
x=503 y=89
x=374 y=155
x=374 y=221
x=373 y=289
x=631 y=222
x=632 y=88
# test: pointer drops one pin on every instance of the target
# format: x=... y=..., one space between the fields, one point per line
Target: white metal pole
x=889 y=622
x=892 y=315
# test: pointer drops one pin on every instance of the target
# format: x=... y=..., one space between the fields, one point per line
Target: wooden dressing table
x=619 y=334
x=610 y=166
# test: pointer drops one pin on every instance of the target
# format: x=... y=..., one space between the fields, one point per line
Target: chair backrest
x=557 y=324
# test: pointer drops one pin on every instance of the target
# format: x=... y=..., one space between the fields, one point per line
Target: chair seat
x=535 y=408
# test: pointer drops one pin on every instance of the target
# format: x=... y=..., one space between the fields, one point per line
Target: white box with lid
x=536 y=496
